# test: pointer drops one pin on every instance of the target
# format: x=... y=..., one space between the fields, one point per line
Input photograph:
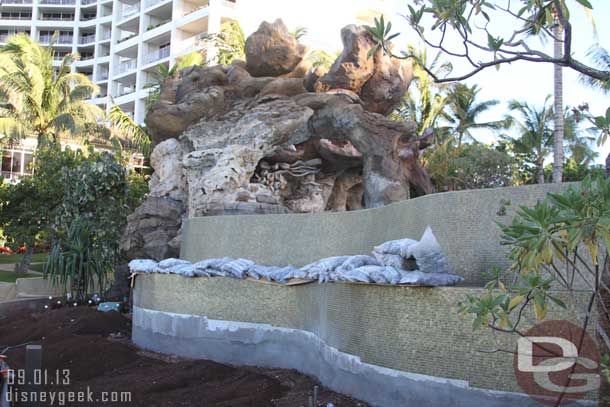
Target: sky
x=524 y=81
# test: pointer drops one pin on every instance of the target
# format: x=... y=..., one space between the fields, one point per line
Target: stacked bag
x=404 y=261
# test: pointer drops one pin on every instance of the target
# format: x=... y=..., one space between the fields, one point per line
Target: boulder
x=151 y=228
x=384 y=91
x=353 y=68
x=167 y=120
x=272 y=50
x=284 y=87
x=168 y=178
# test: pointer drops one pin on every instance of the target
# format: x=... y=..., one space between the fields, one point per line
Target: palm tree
x=425 y=103
x=124 y=130
x=299 y=32
x=36 y=99
x=464 y=108
x=558 y=155
x=601 y=59
x=535 y=140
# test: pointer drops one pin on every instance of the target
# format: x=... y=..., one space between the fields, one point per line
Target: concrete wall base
x=253 y=344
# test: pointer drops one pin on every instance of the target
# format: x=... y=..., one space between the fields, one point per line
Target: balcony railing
x=5 y=37
x=88 y=18
x=9 y=17
x=105 y=35
x=126 y=38
x=128 y=66
x=58 y=2
x=153 y=26
x=126 y=91
x=69 y=17
x=86 y=57
x=102 y=76
x=62 y=39
x=150 y=3
x=157 y=55
x=130 y=11
x=86 y=39
x=17 y=2
x=204 y=5
x=87 y=2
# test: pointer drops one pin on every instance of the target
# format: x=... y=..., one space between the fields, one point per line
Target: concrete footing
x=263 y=345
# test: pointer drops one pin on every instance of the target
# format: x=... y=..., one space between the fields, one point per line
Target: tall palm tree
x=535 y=134
x=124 y=130
x=465 y=109
x=36 y=99
x=558 y=155
x=425 y=103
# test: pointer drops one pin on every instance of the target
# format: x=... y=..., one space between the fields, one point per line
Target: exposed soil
x=96 y=349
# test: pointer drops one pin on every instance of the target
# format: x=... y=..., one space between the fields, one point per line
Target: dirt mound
x=95 y=347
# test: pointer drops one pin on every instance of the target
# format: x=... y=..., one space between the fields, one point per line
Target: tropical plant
x=228 y=45
x=534 y=142
x=36 y=99
x=22 y=217
x=299 y=33
x=137 y=190
x=464 y=110
x=601 y=59
x=96 y=192
x=77 y=264
x=125 y=132
x=547 y=245
x=469 y=166
x=321 y=59
x=425 y=103
x=470 y=21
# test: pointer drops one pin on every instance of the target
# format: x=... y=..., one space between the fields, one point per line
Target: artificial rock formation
x=269 y=136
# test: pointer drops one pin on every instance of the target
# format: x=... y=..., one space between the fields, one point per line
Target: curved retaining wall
x=389 y=346
x=462 y=221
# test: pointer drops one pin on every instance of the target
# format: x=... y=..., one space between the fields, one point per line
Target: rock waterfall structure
x=272 y=135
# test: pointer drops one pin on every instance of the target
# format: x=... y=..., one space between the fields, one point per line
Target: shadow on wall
x=464 y=223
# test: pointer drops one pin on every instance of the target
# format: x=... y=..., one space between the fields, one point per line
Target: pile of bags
x=403 y=261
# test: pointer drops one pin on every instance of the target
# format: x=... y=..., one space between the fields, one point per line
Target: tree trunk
x=540 y=175
x=24 y=266
x=558 y=106
x=608 y=166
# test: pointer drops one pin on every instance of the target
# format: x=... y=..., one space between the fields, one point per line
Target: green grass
x=10 y=277
x=16 y=258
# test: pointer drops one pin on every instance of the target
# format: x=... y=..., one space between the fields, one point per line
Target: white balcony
x=86 y=39
x=17 y=2
x=128 y=66
x=129 y=11
x=58 y=2
x=60 y=40
x=157 y=55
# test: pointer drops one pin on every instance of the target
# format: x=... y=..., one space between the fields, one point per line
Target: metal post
x=33 y=373
x=316 y=391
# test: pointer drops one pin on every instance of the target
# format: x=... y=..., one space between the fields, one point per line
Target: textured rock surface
x=353 y=68
x=252 y=138
x=272 y=50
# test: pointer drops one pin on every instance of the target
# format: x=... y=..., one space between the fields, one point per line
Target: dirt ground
x=96 y=349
